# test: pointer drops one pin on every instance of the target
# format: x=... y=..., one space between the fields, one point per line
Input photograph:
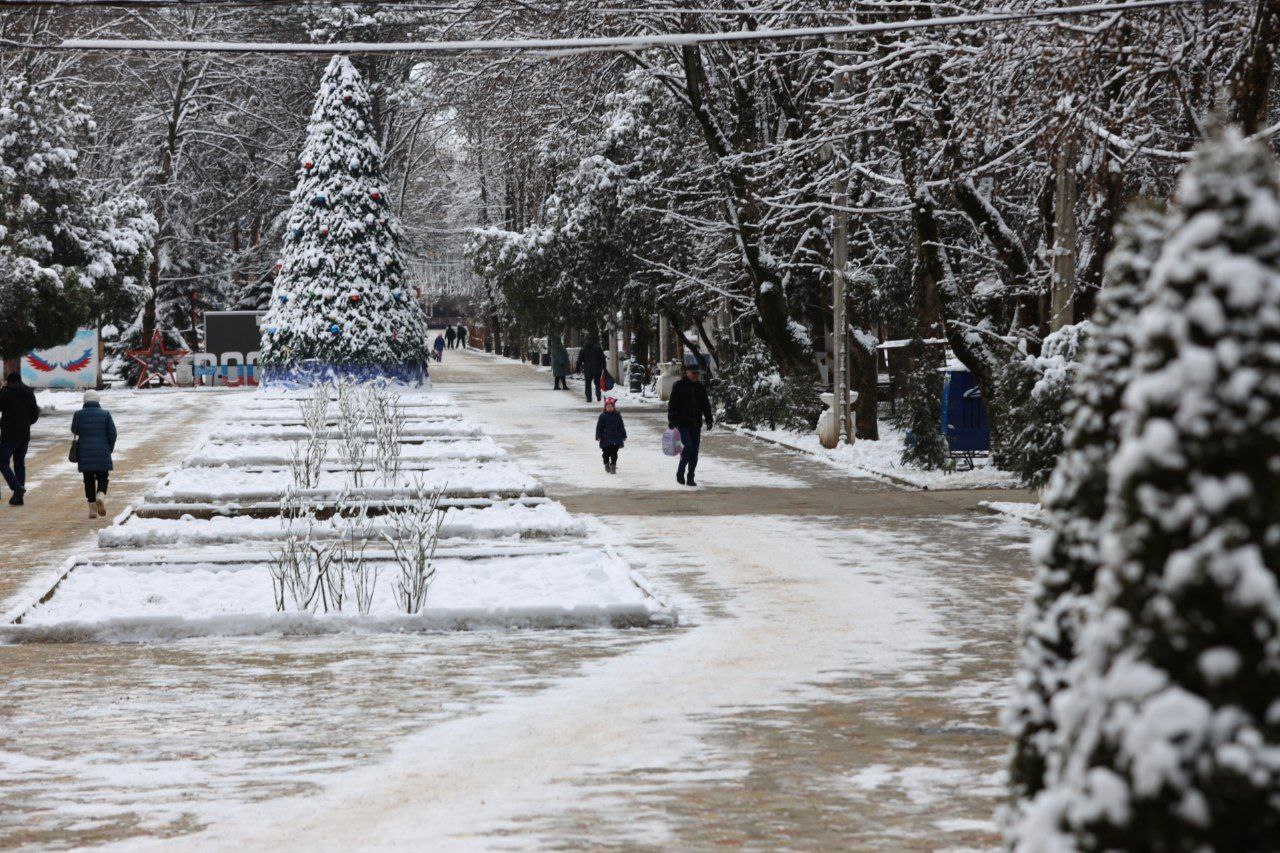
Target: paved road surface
x=843 y=650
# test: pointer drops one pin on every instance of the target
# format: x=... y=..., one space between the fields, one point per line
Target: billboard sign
x=75 y=364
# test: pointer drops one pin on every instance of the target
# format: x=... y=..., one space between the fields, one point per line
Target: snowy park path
x=844 y=650
x=156 y=430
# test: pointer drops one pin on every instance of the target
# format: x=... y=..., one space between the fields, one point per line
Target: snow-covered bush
x=1075 y=499
x=1167 y=733
x=415 y=530
x=1031 y=394
x=750 y=390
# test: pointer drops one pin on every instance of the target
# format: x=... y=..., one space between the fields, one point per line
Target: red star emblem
x=157 y=359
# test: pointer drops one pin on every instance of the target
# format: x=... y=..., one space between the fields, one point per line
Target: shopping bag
x=606 y=381
x=671 y=444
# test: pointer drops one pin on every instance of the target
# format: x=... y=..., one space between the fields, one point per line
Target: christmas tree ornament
x=375 y=195
x=335 y=328
x=355 y=297
x=308 y=165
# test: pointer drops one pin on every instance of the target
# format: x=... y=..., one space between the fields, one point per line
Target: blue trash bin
x=964 y=414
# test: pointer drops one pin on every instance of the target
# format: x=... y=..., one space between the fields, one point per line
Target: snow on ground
x=883 y=458
x=1032 y=513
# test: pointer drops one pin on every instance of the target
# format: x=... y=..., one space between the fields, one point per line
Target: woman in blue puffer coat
x=96 y=431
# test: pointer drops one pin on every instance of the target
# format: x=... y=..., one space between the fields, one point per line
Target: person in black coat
x=462 y=336
x=450 y=336
x=611 y=434
x=18 y=411
x=591 y=365
x=687 y=409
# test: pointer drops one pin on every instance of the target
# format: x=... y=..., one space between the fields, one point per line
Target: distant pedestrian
x=591 y=365
x=611 y=434
x=559 y=364
x=462 y=336
x=18 y=411
x=687 y=409
x=439 y=347
x=95 y=430
x=450 y=336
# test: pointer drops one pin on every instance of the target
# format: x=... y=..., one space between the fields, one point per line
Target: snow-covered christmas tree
x=340 y=302
x=1167 y=733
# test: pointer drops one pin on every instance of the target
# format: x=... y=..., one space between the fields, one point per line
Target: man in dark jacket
x=18 y=411
x=450 y=336
x=462 y=336
x=687 y=409
x=591 y=365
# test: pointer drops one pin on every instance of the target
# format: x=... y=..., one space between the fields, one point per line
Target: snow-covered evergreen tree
x=340 y=294
x=1169 y=727
x=1076 y=498
x=66 y=257
x=1033 y=391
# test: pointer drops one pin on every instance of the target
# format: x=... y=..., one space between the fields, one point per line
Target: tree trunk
x=1251 y=74
x=1065 y=250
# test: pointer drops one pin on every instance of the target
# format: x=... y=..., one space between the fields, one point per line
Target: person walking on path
x=462 y=336
x=591 y=365
x=559 y=363
x=450 y=336
x=687 y=409
x=611 y=434
x=439 y=347
x=95 y=430
x=18 y=411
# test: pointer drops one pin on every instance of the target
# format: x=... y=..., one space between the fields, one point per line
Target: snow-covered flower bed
x=278 y=453
x=506 y=519
x=238 y=433
x=356 y=516
x=122 y=599
x=238 y=484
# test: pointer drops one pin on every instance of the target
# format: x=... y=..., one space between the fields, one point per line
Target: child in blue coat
x=611 y=434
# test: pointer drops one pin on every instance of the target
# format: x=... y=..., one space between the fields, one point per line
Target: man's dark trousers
x=690 y=437
x=593 y=382
x=13 y=464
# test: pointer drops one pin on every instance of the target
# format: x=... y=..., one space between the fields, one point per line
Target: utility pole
x=839 y=260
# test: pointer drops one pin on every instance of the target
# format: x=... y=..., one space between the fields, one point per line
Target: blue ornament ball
x=335 y=328
x=284 y=298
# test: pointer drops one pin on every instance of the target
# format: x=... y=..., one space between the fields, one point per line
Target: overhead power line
x=566 y=46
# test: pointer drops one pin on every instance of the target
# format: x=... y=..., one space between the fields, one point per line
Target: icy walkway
x=844 y=649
